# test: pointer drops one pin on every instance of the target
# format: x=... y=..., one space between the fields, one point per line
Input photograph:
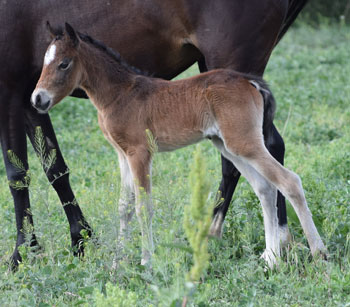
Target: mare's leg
x=57 y=174
x=267 y=194
x=13 y=138
x=230 y=177
x=140 y=165
x=127 y=197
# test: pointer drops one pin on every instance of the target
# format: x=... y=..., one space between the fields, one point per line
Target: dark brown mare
x=232 y=109
x=163 y=37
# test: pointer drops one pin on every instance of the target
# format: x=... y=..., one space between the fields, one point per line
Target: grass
x=309 y=75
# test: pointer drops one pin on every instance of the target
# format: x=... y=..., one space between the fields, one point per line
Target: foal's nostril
x=41 y=100
x=37 y=100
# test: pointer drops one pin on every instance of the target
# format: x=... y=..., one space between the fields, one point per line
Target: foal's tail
x=269 y=103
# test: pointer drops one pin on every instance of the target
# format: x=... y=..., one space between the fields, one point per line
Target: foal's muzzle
x=41 y=100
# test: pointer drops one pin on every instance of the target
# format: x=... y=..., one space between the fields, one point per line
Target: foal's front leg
x=126 y=206
x=140 y=165
x=127 y=198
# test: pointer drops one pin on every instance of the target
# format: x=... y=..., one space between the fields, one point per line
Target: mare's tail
x=294 y=8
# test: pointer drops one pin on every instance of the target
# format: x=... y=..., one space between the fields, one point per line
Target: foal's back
x=180 y=113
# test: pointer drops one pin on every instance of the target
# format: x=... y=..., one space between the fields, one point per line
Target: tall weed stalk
x=197 y=220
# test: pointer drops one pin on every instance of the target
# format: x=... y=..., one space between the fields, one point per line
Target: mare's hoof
x=16 y=258
x=80 y=237
x=216 y=227
x=14 y=261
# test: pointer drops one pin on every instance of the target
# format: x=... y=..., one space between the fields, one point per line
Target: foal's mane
x=102 y=47
x=111 y=53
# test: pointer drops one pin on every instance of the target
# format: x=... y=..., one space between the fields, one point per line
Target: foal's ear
x=53 y=32
x=72 y=34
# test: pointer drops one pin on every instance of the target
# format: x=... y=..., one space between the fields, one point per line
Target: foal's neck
x=104 y=79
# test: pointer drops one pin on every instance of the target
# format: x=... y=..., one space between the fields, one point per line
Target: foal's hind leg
x=275 y=145
x=230 y=177
x=253 y=152
x=267 y=194
x=290 y=185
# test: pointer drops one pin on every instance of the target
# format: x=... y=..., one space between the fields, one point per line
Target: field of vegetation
x=309 y=74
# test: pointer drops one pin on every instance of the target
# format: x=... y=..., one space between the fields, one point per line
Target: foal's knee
x=294 y=190
x=126 y=208
x=266 y=192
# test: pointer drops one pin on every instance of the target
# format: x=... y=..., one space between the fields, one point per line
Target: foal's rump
x=242 y=102
x=217 y=103
x=239 y=118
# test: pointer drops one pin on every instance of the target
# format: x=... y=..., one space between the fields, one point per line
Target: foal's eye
x=64 y=64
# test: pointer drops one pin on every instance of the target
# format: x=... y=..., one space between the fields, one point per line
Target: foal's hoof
x=147 y=262
x=322 y=254
x=269 y=258
x=285 y=236
x=318 y=250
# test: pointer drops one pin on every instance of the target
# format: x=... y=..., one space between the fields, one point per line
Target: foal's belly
x=170 y=142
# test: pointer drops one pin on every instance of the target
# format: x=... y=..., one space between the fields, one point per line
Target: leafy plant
x=18 y=164
x=197 y=219
x=115 y=297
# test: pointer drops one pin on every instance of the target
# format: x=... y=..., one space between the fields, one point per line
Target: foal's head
x=61 y=73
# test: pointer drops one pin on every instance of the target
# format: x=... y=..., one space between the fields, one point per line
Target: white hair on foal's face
x=50 y=55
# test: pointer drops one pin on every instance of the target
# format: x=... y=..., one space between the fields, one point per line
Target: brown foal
x=228 y=107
